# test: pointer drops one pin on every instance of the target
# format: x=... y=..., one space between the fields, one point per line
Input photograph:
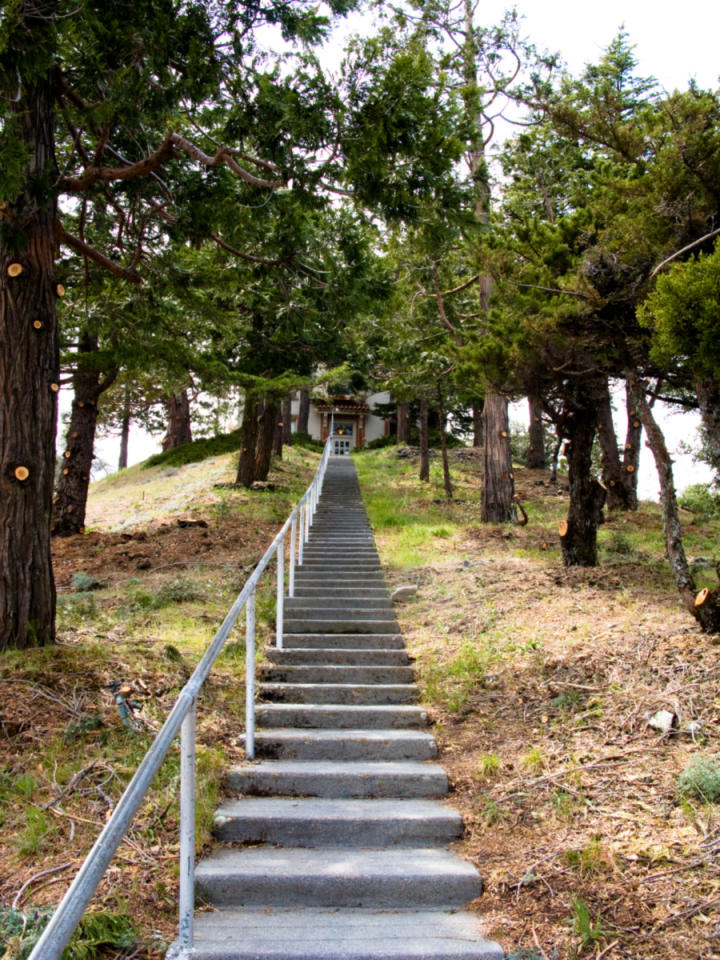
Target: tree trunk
x=578 y=535
x=611 y=468
x=287 y=421
x=29 y=369
x=705 y=606
x=74 y=481
x=447 y=483
x=266 y=435
x=498 y=489
x=124 y=437
x=708 y=394
x=402 y=432
x=424 y=474
x=179 y=430
x=303 y=411
x=631 y=457
x=246 y=464
x=477 y=416
x=536 y=434
x=277 y=443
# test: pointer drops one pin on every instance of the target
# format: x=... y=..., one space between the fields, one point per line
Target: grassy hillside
x=540 y=682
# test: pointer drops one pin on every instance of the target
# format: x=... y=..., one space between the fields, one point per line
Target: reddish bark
x=536 y=435
x=266 y=435
x=303 y=411
x=246 y=464
x=29 y=369
x=447 y=482
x=498 y=489
x=403 y=423
x=74 y=481
x=587 y=496
x=424 y=473
x=179 y=430
x=477 y=415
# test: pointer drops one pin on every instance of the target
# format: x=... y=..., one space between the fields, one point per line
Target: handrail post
x=291 y=571
x=279 y=608
x=301 y=534
x=250 y=676
x=187 y=830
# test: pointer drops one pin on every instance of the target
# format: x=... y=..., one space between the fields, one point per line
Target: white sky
x=674 y=43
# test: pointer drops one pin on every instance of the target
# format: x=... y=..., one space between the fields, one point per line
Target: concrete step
x=339 y=657
x=352 y=641
x=322 y=821
x=370 y=693
x=337 y=877
x=332 y=607
x=328 y=716
x=332 y=673
x=345 y=744
x=340 y=592
x=293 y=778
x=349 y=934
x=347 y=625
x=374 y=580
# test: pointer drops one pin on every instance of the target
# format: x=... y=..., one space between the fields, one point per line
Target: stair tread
x=352 y=933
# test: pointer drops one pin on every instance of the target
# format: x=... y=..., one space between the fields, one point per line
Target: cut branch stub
x=21 y=473
x=702 y=597
x=37 y=324
x=60 y=290
x=563 y=528
x=630 y=468
x=15 y=269
x=54 y=387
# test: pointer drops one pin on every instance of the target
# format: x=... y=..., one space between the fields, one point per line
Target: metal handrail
x=67 y=916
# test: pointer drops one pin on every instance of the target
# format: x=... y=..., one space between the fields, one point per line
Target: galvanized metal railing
x=63 y=922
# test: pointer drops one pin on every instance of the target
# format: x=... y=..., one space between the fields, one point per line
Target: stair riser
x=340 y=718
x=331 y=608
x=263 y=784
x=351 y=833
x=375 y=890
x=352 y=641
x=340 y=593
x=338 y=693
x=269 y=749
x=325 y=674
x=340 y=658
x=346 y=626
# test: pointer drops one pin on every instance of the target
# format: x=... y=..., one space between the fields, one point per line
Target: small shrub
x=74 y=609
x=196 y=451
x=305 y=441
x=489 y=765
x=701 y=778
x=588 y=930
x=83 y=583
x=380 y=442
x=37 y=829
x=618 y=542
x=592 y=858
x=492 y=813
x=701 y=499
x=534 y=760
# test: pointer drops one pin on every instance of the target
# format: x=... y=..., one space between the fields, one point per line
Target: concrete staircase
x=334 y=846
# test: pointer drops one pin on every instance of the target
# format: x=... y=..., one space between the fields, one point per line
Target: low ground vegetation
x=597 y=833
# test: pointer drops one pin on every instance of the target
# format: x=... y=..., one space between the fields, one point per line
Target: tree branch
x=62 y=236
x=678 y=253
x=250 y=257
x=172 y=143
